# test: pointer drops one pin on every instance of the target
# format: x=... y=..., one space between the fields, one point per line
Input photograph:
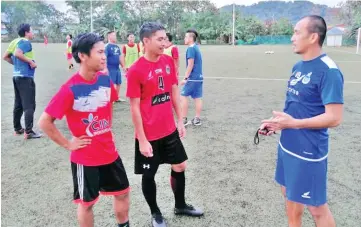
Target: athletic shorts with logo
x=116 y=76
x=305 y=181
x=90 y=181
x=168 y=149
x=193 y=89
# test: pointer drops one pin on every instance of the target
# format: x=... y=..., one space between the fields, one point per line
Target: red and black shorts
x=90 y=181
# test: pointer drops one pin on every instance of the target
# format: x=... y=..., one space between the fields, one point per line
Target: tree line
x=127 y=16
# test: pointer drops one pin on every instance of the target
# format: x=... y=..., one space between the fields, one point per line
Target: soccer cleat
x=196 y=121
x=32 y=135
x=186 y=122
x=19 y=132
x=189 y=210
x=158 y=220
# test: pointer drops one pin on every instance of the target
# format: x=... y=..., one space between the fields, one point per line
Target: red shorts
x=69 y=56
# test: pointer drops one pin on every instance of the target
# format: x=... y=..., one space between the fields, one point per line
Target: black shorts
x=168 y=150
x=89 y=181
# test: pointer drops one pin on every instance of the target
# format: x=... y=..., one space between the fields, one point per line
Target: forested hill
x=293 y=11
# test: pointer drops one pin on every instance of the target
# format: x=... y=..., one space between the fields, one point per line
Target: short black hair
x=129 y=34
x=317 y=25
x=149 y=28
x=170 y=37
x=110 y=32
x=22 y=29
x=83 y=43
x=70 y=35
x=194 y=34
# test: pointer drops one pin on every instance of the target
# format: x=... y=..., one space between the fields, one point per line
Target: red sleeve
x=133 y=84
x=124 y=50
x=61 y=103
x=175 y=52
x=69 y=44
x=114 y=96
x=174 y=73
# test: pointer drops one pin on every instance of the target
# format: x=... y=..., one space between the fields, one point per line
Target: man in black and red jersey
x=153 y=92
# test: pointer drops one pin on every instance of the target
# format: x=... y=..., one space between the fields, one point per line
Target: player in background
x=86 y=102
x=153 y=91
x=172 y=51
x=45 y=40
x=113 y=54
x=20 y=54
x=314 y=103
x=193 y=79
x=130 y=52
x=68 y=52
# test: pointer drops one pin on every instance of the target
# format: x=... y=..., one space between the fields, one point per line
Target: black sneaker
x=158 y=220
x=186 y=122
x=196 y=121
x=188 y=210
x=32 y=135
x=19 y=132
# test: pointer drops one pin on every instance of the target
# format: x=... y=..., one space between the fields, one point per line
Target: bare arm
x=176 y=64
x=7 y=57
x=137 y=118
x=176 y=101
x=19 y=54
x=331 y=118
x=46 y=123
x=189 y=67
x=122 y=60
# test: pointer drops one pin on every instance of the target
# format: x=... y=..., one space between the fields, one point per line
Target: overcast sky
x=220 y=3
x=61 y=5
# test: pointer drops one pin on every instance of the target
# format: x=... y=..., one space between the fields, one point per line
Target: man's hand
x=263 y=130
x=280 y=121
x=32 y=64
x=78 y=142
x=183 y=82
x=146 y=148
x=181 y=129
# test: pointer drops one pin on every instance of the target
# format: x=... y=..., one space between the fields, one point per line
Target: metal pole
x=358 y=40
x=233 y=25
x=91 y=16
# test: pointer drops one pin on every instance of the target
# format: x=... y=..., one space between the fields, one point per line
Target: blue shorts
x=116 y=76
x=305 y=181
x=193 y=89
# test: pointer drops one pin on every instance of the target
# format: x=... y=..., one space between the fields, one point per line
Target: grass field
x=228 y=176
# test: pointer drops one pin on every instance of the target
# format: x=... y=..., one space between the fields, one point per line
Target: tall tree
x=350 y=14
x=36 y=13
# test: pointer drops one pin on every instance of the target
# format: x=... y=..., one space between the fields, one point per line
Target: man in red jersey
x=153 y=92
x=86 y=101
x=172 y=50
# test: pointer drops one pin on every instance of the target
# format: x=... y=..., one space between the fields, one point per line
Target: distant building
x=334 y=37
